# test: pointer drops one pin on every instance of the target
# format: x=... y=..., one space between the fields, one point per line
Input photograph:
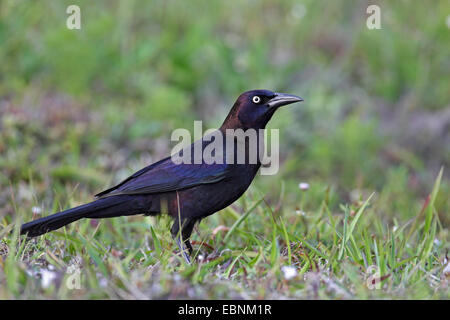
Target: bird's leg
x=187 y=242
x=182 y=237
x=183 y=250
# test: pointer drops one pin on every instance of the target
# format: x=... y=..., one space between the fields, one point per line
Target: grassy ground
x=81 y=110
x=250 y=250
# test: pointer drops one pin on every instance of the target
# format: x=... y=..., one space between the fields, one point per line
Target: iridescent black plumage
x=187 y=192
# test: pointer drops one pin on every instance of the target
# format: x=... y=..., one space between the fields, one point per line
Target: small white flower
x=298 y=11
x=355 y=195
x=303 y=186
x=47 y=278
x=36 y=210
x=394 y=228
x=103 y=282
x=289 y=272
x=300 y=212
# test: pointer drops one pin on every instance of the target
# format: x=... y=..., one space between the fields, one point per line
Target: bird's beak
x=282 y=99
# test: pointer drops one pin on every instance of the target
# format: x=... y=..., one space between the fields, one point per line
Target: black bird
x=188 y=192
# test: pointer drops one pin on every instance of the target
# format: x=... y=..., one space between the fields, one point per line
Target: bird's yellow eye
x=256 y=99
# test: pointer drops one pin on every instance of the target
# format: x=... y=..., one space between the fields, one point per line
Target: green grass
x=81 y=110
x=332 y=251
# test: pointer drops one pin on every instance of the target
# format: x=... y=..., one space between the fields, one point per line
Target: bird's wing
x=166 y=175
x=130 y=178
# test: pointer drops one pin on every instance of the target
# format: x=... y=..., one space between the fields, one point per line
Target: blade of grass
x=357 y=216
x=156 y=242
x=286 y=237
x=430 y=209
x=239 y=221
x=344 y=236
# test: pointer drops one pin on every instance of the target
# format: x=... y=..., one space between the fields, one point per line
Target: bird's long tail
x=102 y=208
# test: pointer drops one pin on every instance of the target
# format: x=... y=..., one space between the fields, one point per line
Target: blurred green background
x=82 y=109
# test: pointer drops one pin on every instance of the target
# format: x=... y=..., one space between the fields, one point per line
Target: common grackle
x=188 y=191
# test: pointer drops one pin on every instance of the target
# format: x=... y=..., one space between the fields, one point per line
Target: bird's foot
x=185 y=250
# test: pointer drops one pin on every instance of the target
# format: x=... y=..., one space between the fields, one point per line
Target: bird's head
x=253 y=109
